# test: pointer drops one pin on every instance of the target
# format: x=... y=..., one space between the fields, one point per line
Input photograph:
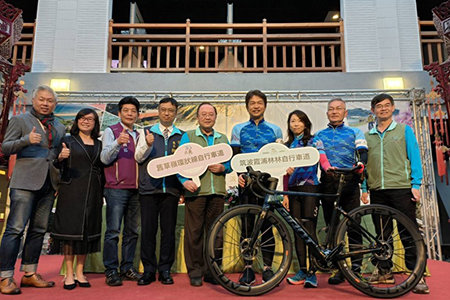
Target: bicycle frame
x=355 y=243
x=328 y=254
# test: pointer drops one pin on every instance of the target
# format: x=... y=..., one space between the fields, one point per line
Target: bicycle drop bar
x=260 y=178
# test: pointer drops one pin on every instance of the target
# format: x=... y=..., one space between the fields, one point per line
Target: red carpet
x=49 y=267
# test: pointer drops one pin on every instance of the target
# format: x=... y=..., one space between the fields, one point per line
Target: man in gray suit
x=35 y=137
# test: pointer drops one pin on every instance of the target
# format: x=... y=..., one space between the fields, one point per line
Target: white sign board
x=275 y=158
x=189 y=160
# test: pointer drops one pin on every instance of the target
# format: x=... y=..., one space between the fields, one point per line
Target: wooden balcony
x=265 y=47
x=23 y=49
x=189 y=47
x=433 y=48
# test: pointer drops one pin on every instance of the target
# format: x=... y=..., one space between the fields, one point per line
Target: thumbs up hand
x=35 y=138
x=123 y=138
x=149 y=138
x=65 y=152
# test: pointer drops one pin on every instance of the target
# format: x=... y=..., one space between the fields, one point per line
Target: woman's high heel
x=83 y=284
x=69 y=286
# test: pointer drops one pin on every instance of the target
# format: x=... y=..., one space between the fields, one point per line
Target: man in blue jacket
x=159 y=197
x=345 y=147
x=250 y=137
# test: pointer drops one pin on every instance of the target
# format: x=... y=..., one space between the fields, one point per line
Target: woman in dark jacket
x=77 y=225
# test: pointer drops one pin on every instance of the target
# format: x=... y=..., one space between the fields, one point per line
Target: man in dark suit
x=35 y=138
x=158 y=196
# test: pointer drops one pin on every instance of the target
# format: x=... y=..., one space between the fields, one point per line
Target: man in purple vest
x=121 y=193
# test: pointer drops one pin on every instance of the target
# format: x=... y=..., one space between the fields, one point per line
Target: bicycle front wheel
x=385 y=251
x=229 y=253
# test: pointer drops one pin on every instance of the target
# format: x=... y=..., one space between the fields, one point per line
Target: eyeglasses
x=90 y=119
x=380 y=106
x=167 y=110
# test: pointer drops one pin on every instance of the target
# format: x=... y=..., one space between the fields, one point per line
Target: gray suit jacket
x=33 y=161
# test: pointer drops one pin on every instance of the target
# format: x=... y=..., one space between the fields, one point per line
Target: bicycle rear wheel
x=388 y=259
x=228 y=250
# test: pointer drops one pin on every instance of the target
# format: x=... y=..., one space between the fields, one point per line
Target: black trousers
x=399 y=199
x=305 y=210
x=199 y=215
x=247 y=197
x=163 y=209
x=350 y=199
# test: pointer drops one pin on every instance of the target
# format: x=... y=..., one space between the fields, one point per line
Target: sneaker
x=131 y=274
x=267 y=274
x=311 y=281
x=248 y=276
x=299 y=278
x=421 y=287
x=378 y=277
x=336 y=277
x=113 y=279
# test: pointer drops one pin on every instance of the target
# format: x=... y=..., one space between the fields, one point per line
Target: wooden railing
x=265 y=47
x=23 y=49
x=281 y=47
x=433 y=48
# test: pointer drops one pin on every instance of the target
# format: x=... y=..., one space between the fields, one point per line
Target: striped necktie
x=166 y=134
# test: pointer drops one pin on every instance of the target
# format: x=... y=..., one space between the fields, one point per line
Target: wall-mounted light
x=202 y=48
x=393 y=83
x=332 y=16
x=60 y=85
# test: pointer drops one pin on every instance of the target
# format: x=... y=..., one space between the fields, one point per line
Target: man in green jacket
x=204 y=203
x=394 y=173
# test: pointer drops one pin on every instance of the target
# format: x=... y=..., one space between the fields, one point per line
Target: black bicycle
x=365 y=242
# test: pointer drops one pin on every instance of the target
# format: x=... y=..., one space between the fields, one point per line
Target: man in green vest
x=394 y=173
x=204 y=203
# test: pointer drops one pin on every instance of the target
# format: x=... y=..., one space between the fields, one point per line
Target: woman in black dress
x=77 y=225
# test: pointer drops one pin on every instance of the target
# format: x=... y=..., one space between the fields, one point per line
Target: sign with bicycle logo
x=189 y=160
x=275 y=158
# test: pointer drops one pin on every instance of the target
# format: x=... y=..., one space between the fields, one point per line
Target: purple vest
x=123 y=172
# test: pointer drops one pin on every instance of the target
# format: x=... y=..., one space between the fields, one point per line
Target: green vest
x=211 y=184
x=388 y=166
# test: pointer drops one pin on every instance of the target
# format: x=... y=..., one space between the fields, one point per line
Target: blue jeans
x=33 y=206
x=121 y=204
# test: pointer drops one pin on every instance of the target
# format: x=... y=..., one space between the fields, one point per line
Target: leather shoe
x=336 y=278
x=35 y=280
x=165 y=277
x=147 y=278
x=131 y=274
x=196 y=281
x=210 y=279
x=113 y=279
x=8 y=286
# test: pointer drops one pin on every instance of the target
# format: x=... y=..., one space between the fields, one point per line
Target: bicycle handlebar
x=263 y=180
x=346 y=170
